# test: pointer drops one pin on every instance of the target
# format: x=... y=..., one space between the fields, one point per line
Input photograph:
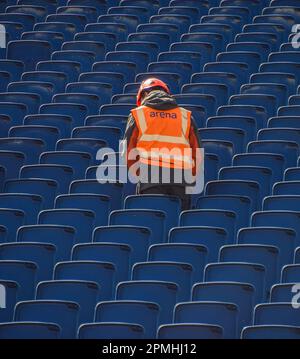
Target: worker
x=165 y=139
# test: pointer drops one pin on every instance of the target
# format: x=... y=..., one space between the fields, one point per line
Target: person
x=162 y=133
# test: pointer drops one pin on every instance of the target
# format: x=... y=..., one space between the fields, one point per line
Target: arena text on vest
x=162 y=114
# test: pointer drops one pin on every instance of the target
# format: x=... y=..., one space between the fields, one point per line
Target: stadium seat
x=216 y=313
x=45 y=188
x=13 y=219
x=91 y=101
x=282 y=292
x=216 y=40
x=223 y=29
x=83 y=293
x=271 y=332
x=271 y=38
x=262 y=48
x=88 y=145
x=58 y=79
x=284 y=121
x=11 y=289
x=290 y=67
x=131 y=21
x=162 y=39
x=70 y=68
x=189 y=331
x=28 y=203
x=31 y=100
x=23 y=273
x=39 y=12
x=143 y=313
x=240 y=69
x=177 y=272
x=195 y=255
x=119 y=30
x=65 y=314
x=151 y=48
x=276 y=313
x=276 y=77
x=91 y=47
x=209 y=217
x=62 y=237
x=42 y=254
x=265 y=255
x=107 y=120
x=26 y=20
x=269 y=102
x=220 y=91
x=283 y=238
x=108 y=38
x=44 y=89
x=79 y=21
x=277 y=90
x=286 y=188
x=290 y=273
x=29 y=330
x=155 y=220
x=222 y=149
x=84 y=57
x=5 y=78
x=227 y=134
x=243 y=272
x=138 y=57
x=55 y=39
x=81 y=220
x=13 y=67
x=103 y=273
x=164 y=28
x=205 y=49
x=110 y=331
x=292 y=174
x=160 y=292
x=117 y=254
x=78 y=161
x=66 y=28
x=89 y=12
x=241 y=294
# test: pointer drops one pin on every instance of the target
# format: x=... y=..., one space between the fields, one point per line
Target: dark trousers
x=167 y=189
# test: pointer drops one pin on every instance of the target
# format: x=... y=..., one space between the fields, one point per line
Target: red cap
x=148 y=85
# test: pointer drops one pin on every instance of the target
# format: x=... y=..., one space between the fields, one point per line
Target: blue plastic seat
x=62 y=237
x=269 y=102
x=152 y=218
x=288 y=149
x=171 y=29
x=44 y=89
x=251 y=273
x=240 y=69
x=195 y=255
x=282 y=292
x=162 y=39
x=247 y=124
x=213 y=38
x=288 y=111
x=192 y=57
x=13 y=30
x=128 y=69
x=230 y=80
x=26 y=20
x=192 y=12
x=290 y=273
x=283 y=238
x=81 y=220
x=90 y=47
x=108 y=38
x=183 y=69
x=70 y=68
x=252 y=59
x=222 y=149
x=241 y=294
x=206 y=100
x=131 y=21
x=91 y=101
x=203 y=48
x=58 y=79
x=30 y=204
x=276 y=313
x=276 y=28
x=219 y=91
x=183 y=21
x=112 y=189
x=124 y=98
x=294 y=100
x=236 y=187
x=244 y=12
x=151 y=48
x=114 y=79
x=216 y=313
x=160 y=292
x=84 y=57
x=110 y=331
x=39 y=12
x=233 y=135
x=119 y=30
x=262 y=48
x=89 y=145
x=257 y=112
x=13 y=219
x=13 y=67
x=83 y=293
x=288 y=10
x=55 y=39
x=90 y=12
x=49 y=135
x=66 y=28
x=103 y=273
x=141 y=12
x=63 y=313
x=5 y=124
x=270 y=38
x=23 y=273
x=271 y=332
x=169 y=204
x=286 y=188
x=284 y=121
x=211 y=237
x=284 y=19
x=11 y=289
x=283 y=78
x=290 y=67
x=209 y=217
x=117 y=254
x=116 y=121
x=45 y=188
x=97 y=203
x=235 y=21
x=189 y=331
x=79 y=161
x=61 y=174
x=29 y=330
x=223 y=29
x=141 y=59
x=31 y=100
x=152 y=5
x=176 y=272
x=5 y=78
x=143 y=313
x=101 y=5
x=39 y=253
x=261 y=175
x=265 y=255
x=79 y=21
x=292 y=174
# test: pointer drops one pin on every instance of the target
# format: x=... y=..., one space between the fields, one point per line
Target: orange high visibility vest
x=163 y=138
